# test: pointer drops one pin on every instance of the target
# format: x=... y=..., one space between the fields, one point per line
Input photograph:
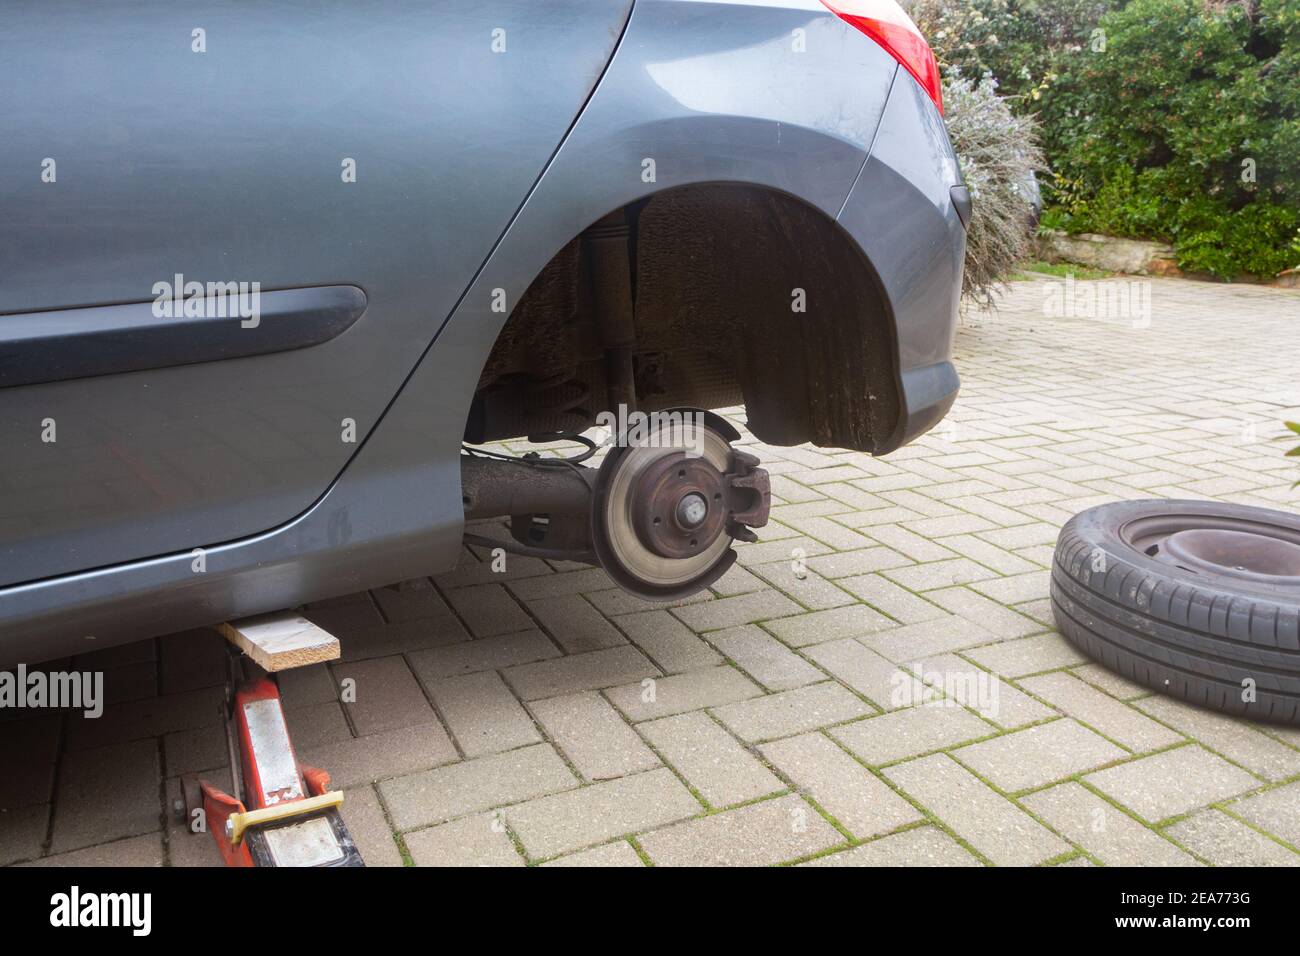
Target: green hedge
x=1176 y=120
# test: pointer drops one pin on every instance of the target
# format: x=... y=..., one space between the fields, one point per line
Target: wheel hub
x=676 y=506
x=691 y=510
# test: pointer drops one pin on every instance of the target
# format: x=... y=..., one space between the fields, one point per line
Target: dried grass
x=999 y=152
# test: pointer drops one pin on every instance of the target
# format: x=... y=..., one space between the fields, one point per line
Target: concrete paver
x=1172 y=782
x=773 y=831
x=920 y=846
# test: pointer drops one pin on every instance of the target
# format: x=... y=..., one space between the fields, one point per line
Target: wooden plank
x=281 y=640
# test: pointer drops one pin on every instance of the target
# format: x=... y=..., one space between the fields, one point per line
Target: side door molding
x=52 y=346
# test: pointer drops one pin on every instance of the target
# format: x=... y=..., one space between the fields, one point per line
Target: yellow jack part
x=238 y=823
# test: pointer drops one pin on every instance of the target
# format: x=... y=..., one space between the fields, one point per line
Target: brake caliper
x=748 y=496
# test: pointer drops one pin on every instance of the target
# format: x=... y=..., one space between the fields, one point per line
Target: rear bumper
x=928 y=393
x=902 y=214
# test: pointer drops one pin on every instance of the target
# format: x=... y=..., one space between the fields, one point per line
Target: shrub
x=1148 y=124
x=999 y=153
x=1185 y=127
x=1015 y=40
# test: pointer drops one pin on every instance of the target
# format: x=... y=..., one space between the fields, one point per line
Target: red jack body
x=287 y=816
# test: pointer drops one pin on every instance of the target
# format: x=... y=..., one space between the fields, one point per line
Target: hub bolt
x=692 y=509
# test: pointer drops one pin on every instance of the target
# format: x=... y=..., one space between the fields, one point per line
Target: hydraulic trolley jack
x=281 y=812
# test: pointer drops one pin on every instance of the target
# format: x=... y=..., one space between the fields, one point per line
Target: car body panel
x=231 y=165
x=395 y=512
x=901 y=214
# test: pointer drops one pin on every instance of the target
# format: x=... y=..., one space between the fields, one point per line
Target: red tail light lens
x=886 y=23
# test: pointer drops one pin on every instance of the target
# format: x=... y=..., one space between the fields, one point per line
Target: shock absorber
x=606 y=249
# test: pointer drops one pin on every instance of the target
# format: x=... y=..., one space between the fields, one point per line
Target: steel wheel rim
x=1243 y=548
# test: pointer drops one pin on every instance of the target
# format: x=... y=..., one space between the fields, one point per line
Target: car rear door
x=350 y=163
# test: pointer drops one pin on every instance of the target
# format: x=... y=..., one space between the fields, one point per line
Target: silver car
x=272 y=275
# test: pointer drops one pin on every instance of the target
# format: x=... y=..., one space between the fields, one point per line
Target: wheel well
x=730 y=294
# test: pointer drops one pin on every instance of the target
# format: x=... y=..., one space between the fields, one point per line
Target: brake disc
x=666 y=509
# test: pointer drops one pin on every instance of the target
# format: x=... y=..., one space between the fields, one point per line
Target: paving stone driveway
x=540 y=715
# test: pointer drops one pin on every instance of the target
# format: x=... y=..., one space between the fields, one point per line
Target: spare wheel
x=1196 y=599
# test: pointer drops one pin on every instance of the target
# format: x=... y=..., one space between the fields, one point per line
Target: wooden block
x=282 y=640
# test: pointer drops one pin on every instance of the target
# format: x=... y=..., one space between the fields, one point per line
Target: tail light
x=886 y=23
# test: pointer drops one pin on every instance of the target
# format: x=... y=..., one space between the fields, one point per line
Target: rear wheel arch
x=742 y=293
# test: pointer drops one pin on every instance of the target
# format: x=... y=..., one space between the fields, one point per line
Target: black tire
x=1192 y=633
